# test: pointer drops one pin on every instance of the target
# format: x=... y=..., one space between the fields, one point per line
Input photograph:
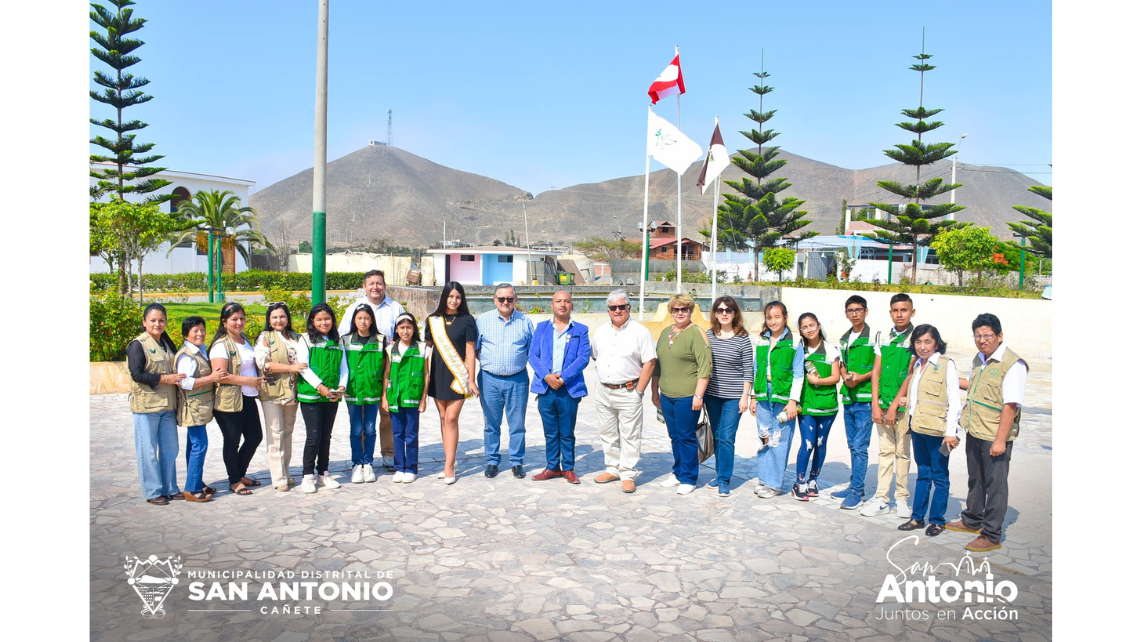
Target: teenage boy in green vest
x=995 y=388
x=857 y=360
x=890 y=369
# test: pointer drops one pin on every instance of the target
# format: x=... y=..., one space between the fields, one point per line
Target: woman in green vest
x=196 y=403
x=321 y=387
x=154 y=395
x=406 y=396
x=818 y=403
x=275 y=351
x=933 y=414
x=235 y=409
x=364 y=348
x=778 y=377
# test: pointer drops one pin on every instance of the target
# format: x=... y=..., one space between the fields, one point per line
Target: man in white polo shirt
x=624 y=356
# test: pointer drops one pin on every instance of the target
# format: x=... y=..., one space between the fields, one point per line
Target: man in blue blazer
x=560 y=350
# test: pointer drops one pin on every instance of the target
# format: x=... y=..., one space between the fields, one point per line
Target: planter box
x=109 y=377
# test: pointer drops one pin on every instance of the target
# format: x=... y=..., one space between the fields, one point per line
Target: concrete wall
x=395 y=267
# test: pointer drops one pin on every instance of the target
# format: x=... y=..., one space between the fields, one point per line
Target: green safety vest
x=406 y=378
x=325 y=362
x=366 y=369
x=858 y=357
x=819 y=400
x=894 y=358
x=780 y=366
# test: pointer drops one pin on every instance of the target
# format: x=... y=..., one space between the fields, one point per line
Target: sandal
x=910 y=525
x=240 y=491
x=251 y=482
x=935 y=529
x=196 y=497
x=209 y=490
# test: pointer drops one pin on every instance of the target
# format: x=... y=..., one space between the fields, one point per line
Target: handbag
x=705 y=436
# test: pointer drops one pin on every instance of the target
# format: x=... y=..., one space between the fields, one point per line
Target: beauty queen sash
x=451 y=358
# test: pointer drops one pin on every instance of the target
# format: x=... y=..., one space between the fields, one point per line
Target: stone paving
x=513 y=559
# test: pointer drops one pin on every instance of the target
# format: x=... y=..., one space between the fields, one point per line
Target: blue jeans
x=773 y=458
x=814 y=438
x=156 y=450
x=500 y=396
x=362 y=431
x=724 y=419
x=558 y=410
x=406 y=438
x=931 y=471
x=858 y=431
x=682 y=426
x=196 y=443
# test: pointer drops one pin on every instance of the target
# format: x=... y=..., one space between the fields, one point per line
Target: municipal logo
x=153 y=579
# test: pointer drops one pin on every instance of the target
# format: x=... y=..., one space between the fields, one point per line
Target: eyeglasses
x=724 y=311
x=983 y=337
x=616 y=308
x=679 y=310
x=275 y=305
x=855 y=310
x=506 y=299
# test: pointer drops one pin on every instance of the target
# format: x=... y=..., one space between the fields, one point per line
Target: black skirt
x=460 y=332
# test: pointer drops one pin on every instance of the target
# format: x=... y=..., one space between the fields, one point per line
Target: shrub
x=248 y=281
x=114 y=322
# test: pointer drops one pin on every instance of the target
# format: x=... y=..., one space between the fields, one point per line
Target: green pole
x=646 y=252
x=890 y=263
x=1022 y=243
x=210 y=265
x=219 y=298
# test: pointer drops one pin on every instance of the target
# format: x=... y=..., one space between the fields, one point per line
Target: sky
x=543 y=95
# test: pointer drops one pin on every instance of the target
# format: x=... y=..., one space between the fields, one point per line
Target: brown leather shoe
x=605 y=478
x=570 y=476
x=547 y=474
x=628 y=485
x=161 y=500
x=959 y=526
x=982 y=544
x=175 y=496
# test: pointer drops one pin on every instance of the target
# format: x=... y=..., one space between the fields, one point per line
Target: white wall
x=394 y=267
x=182 y=259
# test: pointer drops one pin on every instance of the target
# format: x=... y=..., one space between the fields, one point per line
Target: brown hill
x=380 y=192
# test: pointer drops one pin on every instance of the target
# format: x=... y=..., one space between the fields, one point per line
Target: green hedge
x=248 y=281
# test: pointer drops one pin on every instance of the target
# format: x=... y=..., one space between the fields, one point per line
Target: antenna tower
x=390 y=141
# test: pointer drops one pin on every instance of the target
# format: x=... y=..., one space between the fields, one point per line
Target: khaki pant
x=279 y=438
x=895 y=455
x=385 y=431
x=620 y=429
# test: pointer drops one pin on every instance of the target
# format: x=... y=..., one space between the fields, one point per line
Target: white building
x=489 y=265
x=184 y=185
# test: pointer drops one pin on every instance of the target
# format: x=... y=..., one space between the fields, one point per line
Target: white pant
x=620 y=429
x=279 y=438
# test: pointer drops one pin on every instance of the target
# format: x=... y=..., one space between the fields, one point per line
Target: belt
x=507 y=376
x=628 y=385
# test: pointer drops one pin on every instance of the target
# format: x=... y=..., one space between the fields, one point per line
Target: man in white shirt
x=624 y=356
x=386 y=311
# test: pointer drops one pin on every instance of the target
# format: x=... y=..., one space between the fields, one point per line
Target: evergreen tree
x=915 y=225
x=1037 y=231
x=121 y=90
x=758 y=215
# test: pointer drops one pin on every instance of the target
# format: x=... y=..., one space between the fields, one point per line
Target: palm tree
x=221 y=210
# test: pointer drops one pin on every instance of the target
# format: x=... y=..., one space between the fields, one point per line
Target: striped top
x=733 y=365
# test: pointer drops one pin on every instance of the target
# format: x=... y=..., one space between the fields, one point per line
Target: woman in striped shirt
x=728 y=394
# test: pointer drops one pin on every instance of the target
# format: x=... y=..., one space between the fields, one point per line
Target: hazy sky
x=554 y=94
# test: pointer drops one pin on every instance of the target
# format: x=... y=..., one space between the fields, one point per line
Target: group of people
x=901 y=381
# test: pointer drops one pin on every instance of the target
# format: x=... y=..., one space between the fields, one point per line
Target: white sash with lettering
x=451 y=358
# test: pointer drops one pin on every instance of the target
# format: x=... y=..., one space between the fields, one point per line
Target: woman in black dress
x=452 y=379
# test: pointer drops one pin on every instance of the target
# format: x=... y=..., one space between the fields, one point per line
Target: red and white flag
x=669 y=82
x=716 y=159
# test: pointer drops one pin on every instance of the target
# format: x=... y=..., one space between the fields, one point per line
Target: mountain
x=383 y=192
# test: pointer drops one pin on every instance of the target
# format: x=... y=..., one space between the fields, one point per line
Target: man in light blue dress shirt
x=503 y=341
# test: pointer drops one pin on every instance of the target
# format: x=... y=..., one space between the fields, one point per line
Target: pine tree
x=121 y=90
x=1038 y=231
x=758 y=215
x=915 y=225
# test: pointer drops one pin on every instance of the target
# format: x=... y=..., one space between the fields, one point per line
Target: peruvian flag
x=716 y=159
x=669 y=82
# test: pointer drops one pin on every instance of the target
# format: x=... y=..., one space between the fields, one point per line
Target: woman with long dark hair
x=451 y=333
x=234 y=407
x=364 y=348
x=727 y=396
x=154 y=395
x=321 y=387
x=275 y=351
x=818 y=403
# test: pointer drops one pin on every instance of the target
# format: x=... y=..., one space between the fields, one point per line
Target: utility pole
x=319 y=152
x=952 y=216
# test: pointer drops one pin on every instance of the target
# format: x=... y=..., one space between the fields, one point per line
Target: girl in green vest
x=150 y=360
x=365 y=354
x=321 y=387
x=779 y=375
x=406 y=396
x=818 y=403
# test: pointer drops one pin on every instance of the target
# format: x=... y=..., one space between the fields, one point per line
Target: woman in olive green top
x=682 y=372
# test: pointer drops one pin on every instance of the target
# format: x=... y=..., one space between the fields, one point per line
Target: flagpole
x=645 y=230
x=678 y=225
x=714 y=245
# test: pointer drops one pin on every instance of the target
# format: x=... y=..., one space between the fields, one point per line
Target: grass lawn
x=210 y=311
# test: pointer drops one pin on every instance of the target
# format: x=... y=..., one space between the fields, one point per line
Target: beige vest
x=160 y=361
x=228 y=396
x=195 y=407
x=285 y=385
x=931 y=401
x=980 y=417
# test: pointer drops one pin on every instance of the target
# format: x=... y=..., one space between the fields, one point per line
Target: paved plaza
x=514 y=559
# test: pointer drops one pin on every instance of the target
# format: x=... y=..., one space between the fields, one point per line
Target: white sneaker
x=398 y=477
x=409 y=478
x=669 y=482
x=685 y=489
x=874 y=507
x=765 y=492
x=328 y=481
x=369 y=475
x=902 y=509
x=358 y=474
x=307 y=485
